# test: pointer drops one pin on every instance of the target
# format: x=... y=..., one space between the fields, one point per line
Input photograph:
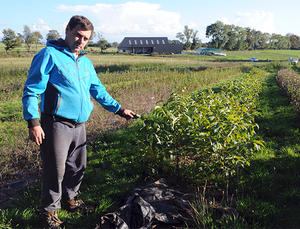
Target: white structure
x=210 y=52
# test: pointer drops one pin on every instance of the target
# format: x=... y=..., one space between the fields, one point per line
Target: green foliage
x=102 y=43
x=10 y=39
x=231 y=37
x=29 y=38
x=278 y=41
x=294 y=41
x=5 y=220
x=289 y=81
x=52 y=35
x=257 y=210
x=205 y=133
x=189 y=38
x=205 y=215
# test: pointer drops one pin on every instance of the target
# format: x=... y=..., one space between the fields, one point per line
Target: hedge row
x=206 y=135
x=289 y=81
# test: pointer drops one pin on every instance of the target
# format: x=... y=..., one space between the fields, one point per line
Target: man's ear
x=67 y=29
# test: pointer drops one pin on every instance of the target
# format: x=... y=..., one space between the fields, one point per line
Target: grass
x=269 y=189
x=266 y=194
x=111 y=174
x=245 y=55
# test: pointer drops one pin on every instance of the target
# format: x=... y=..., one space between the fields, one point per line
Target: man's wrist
x=120 y=112
x=33 y=122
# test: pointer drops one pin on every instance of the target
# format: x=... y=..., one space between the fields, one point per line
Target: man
x=64 y=79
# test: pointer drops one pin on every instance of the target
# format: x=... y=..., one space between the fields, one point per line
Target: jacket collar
x=61 y=45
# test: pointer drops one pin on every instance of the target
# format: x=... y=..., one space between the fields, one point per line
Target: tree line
x=222 y=36
x=11 y=39
x=232 y=37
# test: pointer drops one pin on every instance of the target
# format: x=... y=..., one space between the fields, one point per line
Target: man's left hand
x=128 y=114
x=125 y=113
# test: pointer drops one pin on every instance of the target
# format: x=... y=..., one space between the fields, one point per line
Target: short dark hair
x=82 y=21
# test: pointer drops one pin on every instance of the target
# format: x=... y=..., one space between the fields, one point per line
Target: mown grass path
x=270 y=187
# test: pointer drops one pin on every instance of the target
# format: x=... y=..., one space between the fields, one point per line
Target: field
x=263 y=186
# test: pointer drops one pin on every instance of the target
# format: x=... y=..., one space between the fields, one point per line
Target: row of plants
x=206 y=135
x=289 y=81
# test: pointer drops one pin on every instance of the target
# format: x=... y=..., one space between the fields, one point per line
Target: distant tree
x=263 y=40
x=233 y=38
x=52 y=35
x=189 y=38
x=28 y=37
x=102 y=43
x=20 y=37
x=218 y=32
x=37 y=36
x=257 y=39
x=250 y=38
x=241 y=38
x=278 y=41
x=10 y=39
x=294 y=41
x=196 y=42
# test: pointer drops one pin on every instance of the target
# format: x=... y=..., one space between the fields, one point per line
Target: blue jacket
x=64 y=84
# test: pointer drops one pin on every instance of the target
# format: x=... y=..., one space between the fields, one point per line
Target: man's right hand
x=36 y=134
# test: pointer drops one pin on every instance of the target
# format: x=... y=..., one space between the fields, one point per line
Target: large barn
x=149 y=45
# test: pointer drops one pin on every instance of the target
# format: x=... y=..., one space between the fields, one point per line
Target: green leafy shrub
x=208 y=134
x=289 y=81
x=5 y=221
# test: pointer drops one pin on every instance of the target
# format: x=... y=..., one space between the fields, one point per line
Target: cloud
x=41 y=26
x=225 y=20
x=129 y=19
x=259 y=20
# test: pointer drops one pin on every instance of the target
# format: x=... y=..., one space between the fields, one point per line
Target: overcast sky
x=115 y=19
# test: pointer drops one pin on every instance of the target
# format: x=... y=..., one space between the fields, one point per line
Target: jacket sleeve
x=36 y=84
x=99 y=93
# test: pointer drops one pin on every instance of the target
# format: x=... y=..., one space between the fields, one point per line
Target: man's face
x=76 y=39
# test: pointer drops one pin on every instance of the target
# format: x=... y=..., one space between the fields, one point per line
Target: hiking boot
x=51 y=220
x=75 y=204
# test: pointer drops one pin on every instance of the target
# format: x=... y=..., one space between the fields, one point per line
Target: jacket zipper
x=81 y=97
x=58 y=103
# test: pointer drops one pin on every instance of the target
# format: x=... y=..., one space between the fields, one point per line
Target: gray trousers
x=63 y=154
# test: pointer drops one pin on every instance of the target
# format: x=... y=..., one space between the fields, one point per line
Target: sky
x=116 y=19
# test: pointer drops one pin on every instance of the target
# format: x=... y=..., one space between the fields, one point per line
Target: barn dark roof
x=143 y=41
x=149 y=45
